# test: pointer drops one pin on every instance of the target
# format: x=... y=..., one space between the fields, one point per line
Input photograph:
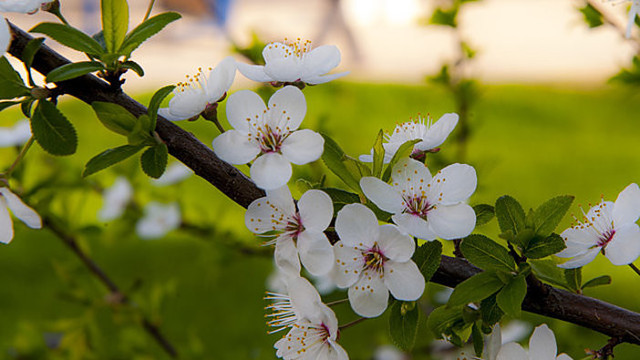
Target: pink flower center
x=270 y=140
x=605 y=238
x=294 y=226
x=417 y=205
x=374 y=259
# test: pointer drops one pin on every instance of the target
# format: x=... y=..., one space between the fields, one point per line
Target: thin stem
x=21 y=155
x=634 y=268
x=354 y=322
x=337 y=302
x=148 y=13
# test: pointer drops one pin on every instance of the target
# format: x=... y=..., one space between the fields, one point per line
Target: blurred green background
x=204 y=284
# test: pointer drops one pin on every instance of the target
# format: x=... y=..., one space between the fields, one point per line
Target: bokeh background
x=544 y=121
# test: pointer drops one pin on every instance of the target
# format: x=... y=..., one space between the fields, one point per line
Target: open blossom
x=16 y=135
x=175 y=173
x=313 y=325
x=158 y=220
x=300 y=232
x=609 y=228
x=10 y=201
x=198 y=93
x=115 y=199
x=372 y=260
x=542 y=346
x=295 y=62
x=269 y=133
x=19 y=6
x=431 y=135
x=426 y=207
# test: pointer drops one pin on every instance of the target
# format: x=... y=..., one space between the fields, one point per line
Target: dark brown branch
x=541 y=298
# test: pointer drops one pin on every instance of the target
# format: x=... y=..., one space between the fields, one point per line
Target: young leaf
x=11 y=84
x=540 y=247
x=115 y=23
x=484 y=213
x=478 y=339
x=444 y=17
x=334 y=157
x=511 y=296
x=114 y=117
x=598 y=281
x=548 y=215
x=109 y=158
x=592 y=16
x=403 y=324
x=146 y=30
x=70 y=37
x=29 y=53
x=443 y=319
x=475 y=288
x=547 y=270
x=154 y=160
x=428 y=257
x=574 y=278
x=340 y=198
x=510 y=214
x=487 y=254
x=140 y=135
x=132 y=65
x=403 y=151
x=378 y=155
x=52 y=130
x=155 y=102
x=490 y=311
x=73 y=70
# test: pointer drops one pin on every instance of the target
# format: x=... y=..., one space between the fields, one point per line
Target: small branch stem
x=21 y=155
x=634 y=268
x=148 y=13
x=354 y=322
x=337 y=302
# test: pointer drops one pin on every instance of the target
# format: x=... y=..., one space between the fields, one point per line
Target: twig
x=354 y=322
x=634 y=268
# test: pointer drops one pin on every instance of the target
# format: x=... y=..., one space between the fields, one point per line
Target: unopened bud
x=52 y=7
x=211 y=112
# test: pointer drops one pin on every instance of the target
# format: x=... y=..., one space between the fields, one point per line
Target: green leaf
x=548 y=215
x=132 y=65
x=484 y=213
x=540 y=247
x=154 y=160
x=443 y=319
x=592 y=16
x=73 y=70
x=523 y=238
x=26 y=107
x=403 y=151
x=114 y=117
x=490 y=311
x=334 y=158
x=109 y=158
x=140 y=135
x=510 y=214
x=340 y=198
x=115 y=23
x=8 y=104
x=378 y=155
x=30 y=51
x=547 y=270
x=403 y=324
x=475 y=288
x=511 y=296
x=598 y=281
x=155 y=102
x=70 y=37
x=478 y=339
x=11 y=84
x=444 y=17
x=574 y=279
x=52 y=130
x=146 y=30
x=428 y=257
x=487 y=254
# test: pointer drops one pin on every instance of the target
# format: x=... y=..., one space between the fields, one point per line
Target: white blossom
x=158 y=220
x=291 y=62
x=431 y=135
x=16 y=135
x=115 y=199
x=199 y=92
x=372 y=260
x=609 y=228
x=542 y=346
x=300 y=232
x=268 y=134
x=10 y=201
x=424 y=206
x=175 y=173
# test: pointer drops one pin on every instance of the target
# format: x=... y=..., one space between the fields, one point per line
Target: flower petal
x=316 y=210
x=336 y=352
x=395 y=244
x=303 y=147
x=254 y=72
x=409 y=173
x=304 y=297
x=282 y=200
x=453 y=184
x=627 y=206
x=369 y=296
x=542 y=344
x=5 y=36
x=262 y=217
x=438 y=132
x=316 y=80
x=512 y=351
x=349 y=263
x=404 y=280
x=493 y=343
x=452 y=222
x=187 y=103
x=220 y=79
x=624 y=247
x=20 y=210
x=6 y=225
x=382 y=194
x=286 y=255
x=166 y=113
x=270 y=171
x=290 y=102
x=316 y=252
x=243 y=108
x=320 y=61
x=414 y=226
x=286 y=69
x=564 y=357
x=356 y=225
x=581 y=260
x=234 y=147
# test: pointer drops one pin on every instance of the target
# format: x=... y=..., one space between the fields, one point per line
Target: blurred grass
x=532 y=142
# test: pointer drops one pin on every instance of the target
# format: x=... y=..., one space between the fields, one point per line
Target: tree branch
x=541 y=299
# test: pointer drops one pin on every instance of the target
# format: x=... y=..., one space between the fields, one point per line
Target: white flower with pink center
x=299 y=231
x=372 y=260
x=313 y=325
x=11 y=201
x=296 y=61
x=268 y=134
x=542 y=346
x=424 y=206
x=609 y=228
x=431 y=135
